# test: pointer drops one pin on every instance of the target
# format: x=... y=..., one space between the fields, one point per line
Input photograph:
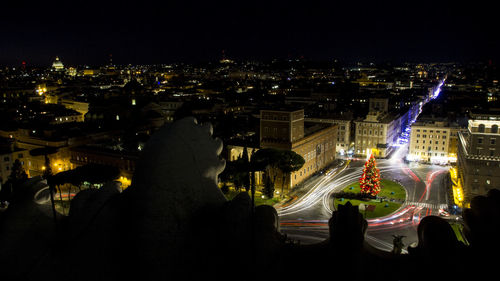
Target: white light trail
x=321 y=191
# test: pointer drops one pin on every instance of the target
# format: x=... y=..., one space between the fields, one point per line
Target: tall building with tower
x=478 y=160
x=286 y=129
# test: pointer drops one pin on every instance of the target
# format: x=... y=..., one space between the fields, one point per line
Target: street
x=306 y=219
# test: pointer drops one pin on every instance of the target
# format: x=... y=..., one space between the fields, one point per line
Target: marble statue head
x=182 y=158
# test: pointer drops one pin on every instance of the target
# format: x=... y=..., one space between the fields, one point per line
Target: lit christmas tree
x=370 y=180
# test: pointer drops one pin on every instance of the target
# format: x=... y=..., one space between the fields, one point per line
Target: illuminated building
x=90 y=72
x=59 y=159
x=373 y=83
x=343 y=132
x=8 y=155
x=378 y=133
x=236 y=151
x=433 y=141
x=125 y=162
x=52 y=99
x=57 y=65
x=478 y=160
x=67 y=117
x=285 y=129
x=72 y=71
x=458 y=192
x=79 y=106
x=41 y=89
x=57 y=148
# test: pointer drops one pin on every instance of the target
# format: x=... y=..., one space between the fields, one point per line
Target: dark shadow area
x=173 y=223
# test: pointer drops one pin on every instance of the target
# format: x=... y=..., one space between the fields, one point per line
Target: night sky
x=173 y=31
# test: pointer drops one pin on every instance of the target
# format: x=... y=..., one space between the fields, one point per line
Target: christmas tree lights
x=370 y=180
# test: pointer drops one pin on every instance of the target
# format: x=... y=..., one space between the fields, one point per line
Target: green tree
x=263 y=160
x=228 y=173
x=245 y=169
x=252 y=177
x=47 y=175
x=268 y=187
x=17 y=175
x=288 y=163
x=13 y=185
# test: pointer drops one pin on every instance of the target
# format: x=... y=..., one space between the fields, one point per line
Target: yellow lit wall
x=126 y=182
x=458 y=193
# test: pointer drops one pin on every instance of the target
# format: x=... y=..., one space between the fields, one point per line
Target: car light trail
x=322 y=190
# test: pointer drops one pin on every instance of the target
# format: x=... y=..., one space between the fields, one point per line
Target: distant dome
x=57 y=64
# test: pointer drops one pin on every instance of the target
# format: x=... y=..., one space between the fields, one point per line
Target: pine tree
x=370 y=180
x=245 y=168
x=17 y=175
x=47 y=175
x=268 y=187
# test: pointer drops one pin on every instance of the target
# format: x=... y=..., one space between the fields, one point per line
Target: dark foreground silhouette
x=180 y=227
x=102 y=240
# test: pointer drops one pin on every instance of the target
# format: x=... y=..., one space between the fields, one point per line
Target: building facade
x=478 y=162
x=377 y=134
x=433 y=141
x=343 y=132
x=125 y=162
x=8 y=155
x=286 y=129
x=280 y=128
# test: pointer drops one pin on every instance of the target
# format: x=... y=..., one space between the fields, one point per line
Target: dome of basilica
x=57 y=64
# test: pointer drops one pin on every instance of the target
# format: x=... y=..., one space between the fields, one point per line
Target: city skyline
x=151 y=140
x=87 y=33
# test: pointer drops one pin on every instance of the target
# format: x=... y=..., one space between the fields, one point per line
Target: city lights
x=249 y=140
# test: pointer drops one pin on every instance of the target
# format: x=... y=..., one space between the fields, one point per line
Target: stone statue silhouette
x=174 y=221
x=397 y=244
